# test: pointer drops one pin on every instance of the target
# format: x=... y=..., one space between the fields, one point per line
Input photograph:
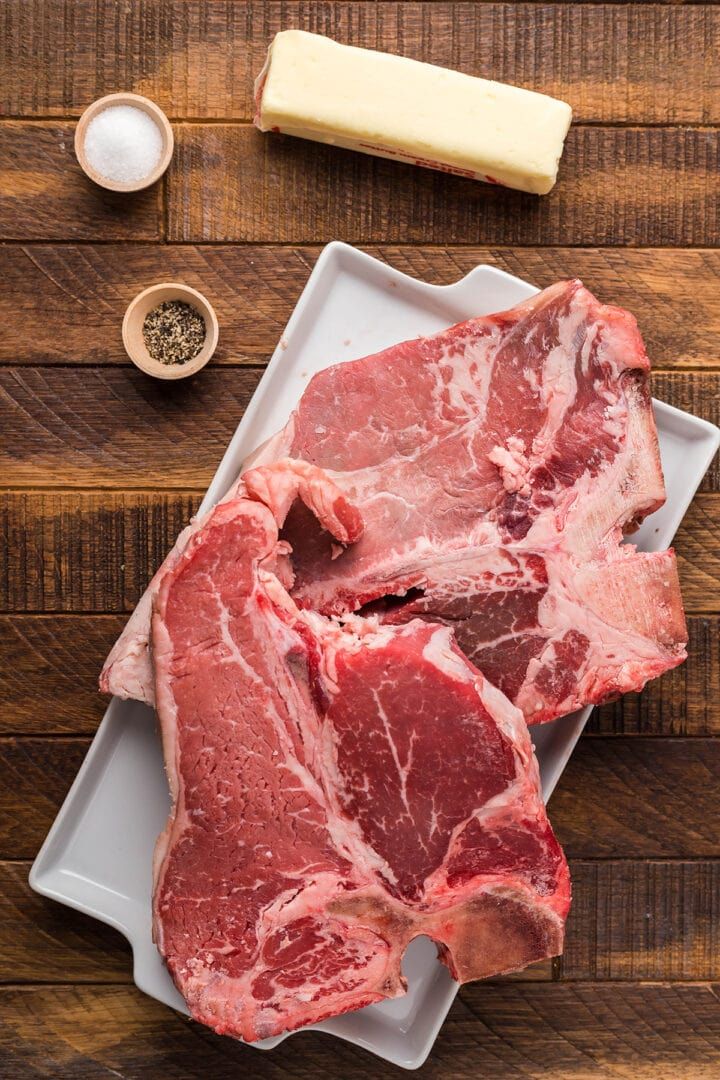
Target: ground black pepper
x=174 y=332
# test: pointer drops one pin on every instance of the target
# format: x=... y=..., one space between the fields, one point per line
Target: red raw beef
x=496 y=466
x=338 y=789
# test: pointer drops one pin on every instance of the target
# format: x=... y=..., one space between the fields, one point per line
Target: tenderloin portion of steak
x=496 y=467
x=552 y=633
x=338 y=789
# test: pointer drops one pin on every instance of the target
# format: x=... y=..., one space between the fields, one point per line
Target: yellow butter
x=394 y=107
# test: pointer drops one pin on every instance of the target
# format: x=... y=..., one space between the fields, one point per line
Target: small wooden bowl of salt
x=124 y=142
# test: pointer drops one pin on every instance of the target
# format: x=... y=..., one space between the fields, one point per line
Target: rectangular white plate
x=97 y=856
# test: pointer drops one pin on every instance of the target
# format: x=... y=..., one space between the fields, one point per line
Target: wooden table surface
x=101 y=466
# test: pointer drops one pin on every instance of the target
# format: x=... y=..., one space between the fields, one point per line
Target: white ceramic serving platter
x=97 y=856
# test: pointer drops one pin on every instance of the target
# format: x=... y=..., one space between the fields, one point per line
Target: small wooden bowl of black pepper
x=170 y=331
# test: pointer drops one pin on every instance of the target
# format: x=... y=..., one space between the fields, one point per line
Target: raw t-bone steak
x=496 y=466
x=338 y=789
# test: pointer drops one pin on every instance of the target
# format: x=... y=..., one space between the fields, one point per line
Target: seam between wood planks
x=701 y=983
x=246 y=121
x=375 y=245
x=690 y=369
x=593 y=736
x=418 y=245
x=66 y=488
x=595 y=860
x=59 y=736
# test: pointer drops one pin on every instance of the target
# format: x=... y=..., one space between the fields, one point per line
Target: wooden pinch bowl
x=154 y=111
x=132 y=329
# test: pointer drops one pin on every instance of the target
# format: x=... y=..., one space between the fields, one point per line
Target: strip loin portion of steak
x=338 y=789
x=496 y=466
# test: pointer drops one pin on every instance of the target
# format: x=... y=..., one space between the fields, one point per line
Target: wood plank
x=200 y=59
x=592 y=1032
x=618 y=798
x=50 y=663
x=117 y=428
x=518 y=1031
x=698 y=553
x=95 y=551
x=636 y=187
x=114 y=427
x=49 y=669
x=254 y=290
x=651 y=920
x=81 y=551
x=35 y=775
x=88 y=288
x=43 y=941
x=639 y=798
x=684 y=701
x=45 y=195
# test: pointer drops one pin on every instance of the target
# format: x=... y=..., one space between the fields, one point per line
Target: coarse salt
x=123 y=143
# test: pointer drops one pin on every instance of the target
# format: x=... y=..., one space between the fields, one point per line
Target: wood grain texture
x=95 y=551
x=81 y=551
x=675 y=295
x=697 y=545
x=88 y=288
x=618 y=797
x=200 y=59
x=35 y=775
x=639 y=798
x=652 y=920
x=516 y=1031
x=43 y=942
x=618 y=186
x=45 y=195
x=49 y=668
x=117 y=427
x=97 y=426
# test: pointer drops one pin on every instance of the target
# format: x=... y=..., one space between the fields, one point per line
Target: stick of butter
x=394 y=107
